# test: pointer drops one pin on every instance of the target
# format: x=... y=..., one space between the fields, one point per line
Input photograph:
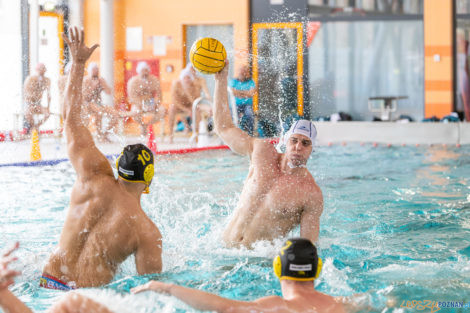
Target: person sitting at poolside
x=105 y=222
x=145 y=96
x=279 y=192
x=184 y=91
x=71 y=303
x=297 y=266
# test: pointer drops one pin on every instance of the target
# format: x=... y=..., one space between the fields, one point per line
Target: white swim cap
x=140 y=67
x=91 y=66
x=187 y=72
x=302 y=127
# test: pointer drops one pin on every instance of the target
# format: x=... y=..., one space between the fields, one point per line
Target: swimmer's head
x=135 y=164
x=93 y=69
x=143 y=68
x=188 y=73
x=297 y=260
x=41 y=69
x=299 y=142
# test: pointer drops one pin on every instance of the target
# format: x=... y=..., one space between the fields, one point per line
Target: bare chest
x=145 y=87
x=280 y=195
x=37 y=86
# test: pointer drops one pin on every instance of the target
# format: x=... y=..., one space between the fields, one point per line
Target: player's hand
x=7 y=276
x=79 y=51
x=224 y=72
x=154 y=286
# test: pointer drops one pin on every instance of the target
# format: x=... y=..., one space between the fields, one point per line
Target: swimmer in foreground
x=279 y=192
x=297 y=266
x=105 y=222
x=9 y=303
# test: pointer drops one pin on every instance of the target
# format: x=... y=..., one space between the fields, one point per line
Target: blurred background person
x=243 y=88
x=33 y=90
x=93 y=85
x=187 y=88
x=145 y=97
x=61 y=83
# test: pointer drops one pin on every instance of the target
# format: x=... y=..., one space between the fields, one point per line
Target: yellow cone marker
x=35 y=150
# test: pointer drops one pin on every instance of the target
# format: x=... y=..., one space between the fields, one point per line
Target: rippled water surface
x=396 y=226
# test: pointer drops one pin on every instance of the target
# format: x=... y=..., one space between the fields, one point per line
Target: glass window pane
x=462 y=6
x=349 y=62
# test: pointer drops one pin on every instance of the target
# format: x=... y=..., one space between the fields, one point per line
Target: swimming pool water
x=396 y=225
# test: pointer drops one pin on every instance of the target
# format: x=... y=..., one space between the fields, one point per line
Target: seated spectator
x=34 y=87
x=184 y=91
x=145 y=96
x=93 y=85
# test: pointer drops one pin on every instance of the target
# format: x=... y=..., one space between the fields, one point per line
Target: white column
x=33 y=34
x=76 y=13
x=107 y=45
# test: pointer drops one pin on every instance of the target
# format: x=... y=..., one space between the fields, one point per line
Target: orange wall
x=438 y=75
x=164 y=18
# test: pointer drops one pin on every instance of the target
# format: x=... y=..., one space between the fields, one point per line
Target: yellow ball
x=208 y=55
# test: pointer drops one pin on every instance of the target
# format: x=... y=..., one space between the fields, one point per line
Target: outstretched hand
x=224 y=72
x=154 y=286
x=79 y=51
x=6 y=275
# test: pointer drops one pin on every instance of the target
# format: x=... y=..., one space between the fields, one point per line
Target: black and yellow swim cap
x=298 y=260
x=135 y=164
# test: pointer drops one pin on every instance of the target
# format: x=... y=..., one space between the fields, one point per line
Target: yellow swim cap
x=297 y=260
x=135 y=164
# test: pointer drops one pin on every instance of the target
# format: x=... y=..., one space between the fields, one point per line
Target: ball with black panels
x=207 y=55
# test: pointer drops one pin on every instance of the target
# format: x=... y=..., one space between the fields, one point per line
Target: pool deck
x=394 y=133
x=53 y=148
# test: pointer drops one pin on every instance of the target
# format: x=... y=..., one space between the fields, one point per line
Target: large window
x=338 y=7
x=350 y=62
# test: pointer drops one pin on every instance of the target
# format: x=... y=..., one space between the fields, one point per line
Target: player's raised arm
x=198 y=299
x=239 y=141
x=85 y=157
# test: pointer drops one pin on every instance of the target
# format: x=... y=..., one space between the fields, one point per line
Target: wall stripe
x=443 y=51
x=438 y=85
